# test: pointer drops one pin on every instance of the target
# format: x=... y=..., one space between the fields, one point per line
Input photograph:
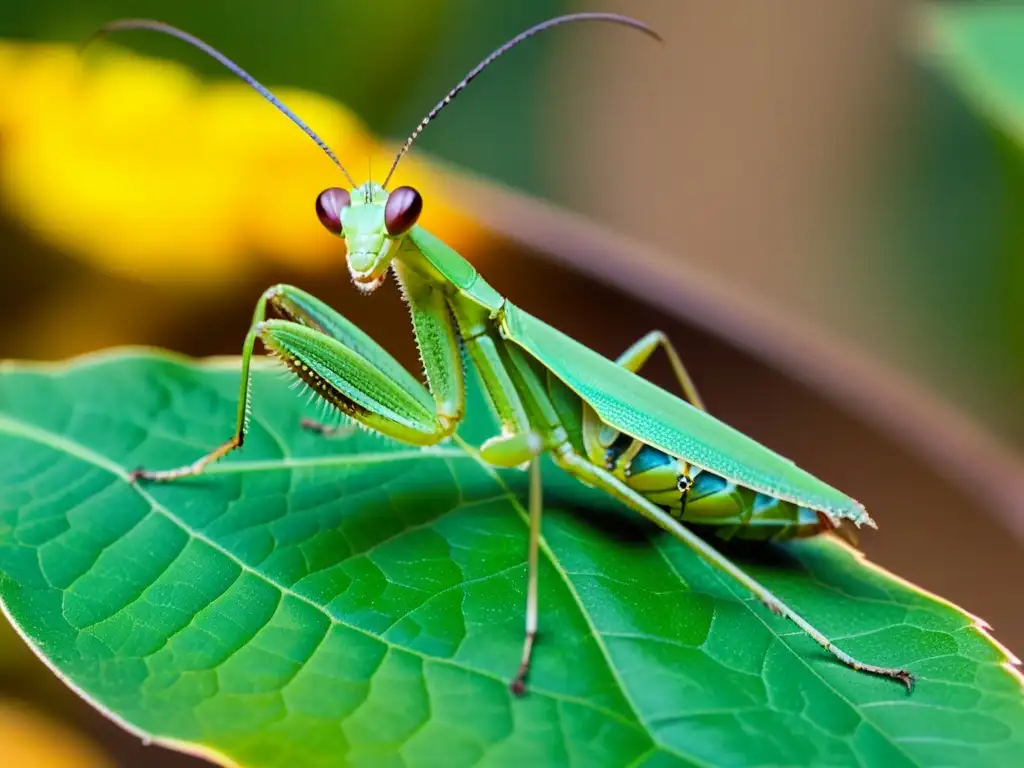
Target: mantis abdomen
x=699 y=497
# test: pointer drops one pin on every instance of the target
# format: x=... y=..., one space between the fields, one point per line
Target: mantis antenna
x=167 y=29
x=572 y=17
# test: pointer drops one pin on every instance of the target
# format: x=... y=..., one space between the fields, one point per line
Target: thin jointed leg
x=513 y=450
x=242 y=418
x=600 y=478
x=518 y=685
x=634 y=358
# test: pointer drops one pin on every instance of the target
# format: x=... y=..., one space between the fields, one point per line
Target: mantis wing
x=641 y=409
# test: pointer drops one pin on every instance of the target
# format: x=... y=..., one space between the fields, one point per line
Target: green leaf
x=322 y=602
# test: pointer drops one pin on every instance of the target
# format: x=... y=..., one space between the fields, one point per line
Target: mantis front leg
x=350 y=371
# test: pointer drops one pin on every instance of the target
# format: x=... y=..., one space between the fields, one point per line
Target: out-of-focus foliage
x=980 y=48
x=948 y=254
x=978 y=45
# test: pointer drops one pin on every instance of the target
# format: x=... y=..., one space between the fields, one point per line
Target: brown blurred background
x=829 y=163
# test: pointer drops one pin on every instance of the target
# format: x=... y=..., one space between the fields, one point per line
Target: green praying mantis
x=663 y=456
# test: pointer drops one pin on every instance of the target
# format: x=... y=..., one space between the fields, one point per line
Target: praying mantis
x=661 y=455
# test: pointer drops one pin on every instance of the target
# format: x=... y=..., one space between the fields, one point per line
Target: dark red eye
x=329 y=205
x=402 y=210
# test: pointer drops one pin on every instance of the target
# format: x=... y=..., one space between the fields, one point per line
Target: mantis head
x=373 y=222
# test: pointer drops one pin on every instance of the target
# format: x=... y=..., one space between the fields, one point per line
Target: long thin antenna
x=167 y=29
x=572 y=17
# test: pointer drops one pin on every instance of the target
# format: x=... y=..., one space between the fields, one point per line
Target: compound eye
x=402 y=210
x=329 y=205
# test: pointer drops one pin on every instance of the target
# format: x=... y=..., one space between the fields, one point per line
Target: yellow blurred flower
x=139 y=167
x=32 y=739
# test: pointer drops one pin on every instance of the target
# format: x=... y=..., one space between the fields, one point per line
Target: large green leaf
x=317 y=602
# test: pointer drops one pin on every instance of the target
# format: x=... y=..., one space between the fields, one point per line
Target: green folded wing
x=633 y=405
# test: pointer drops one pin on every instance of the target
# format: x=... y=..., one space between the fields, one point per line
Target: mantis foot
x=906 y=678
x=518 y=684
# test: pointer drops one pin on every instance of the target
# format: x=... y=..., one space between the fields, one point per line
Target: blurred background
x=852 y=170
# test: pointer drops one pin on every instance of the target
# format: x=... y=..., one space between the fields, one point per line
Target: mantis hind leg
x=634 y=358
x=606 y=446
x=345 y=368
x=596 y=476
